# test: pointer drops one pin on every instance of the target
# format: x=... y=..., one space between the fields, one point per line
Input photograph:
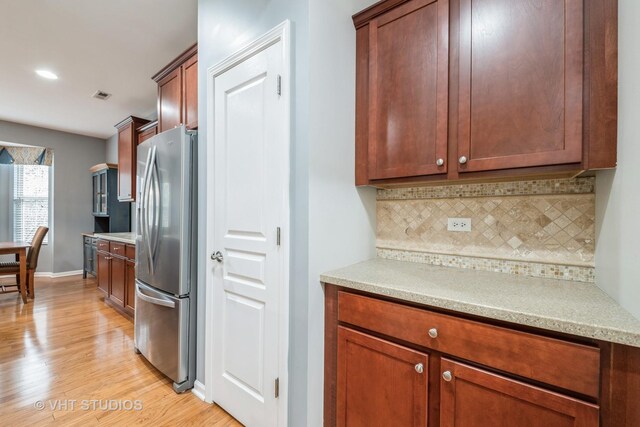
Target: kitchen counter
x=129 y=238
x=575 y=308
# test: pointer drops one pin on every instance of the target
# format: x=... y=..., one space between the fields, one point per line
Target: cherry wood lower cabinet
x=394 y=363
x=116 y=274
x=473 y=397
x=118 y=278
x=380 y=380
x=130 y=286
x=104 y=271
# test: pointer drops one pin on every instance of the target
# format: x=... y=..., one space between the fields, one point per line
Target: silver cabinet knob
x=419 y=368
x=433 y=333
x=446 y=375
x=462 y=160
x=440 y=162
x=217 y=256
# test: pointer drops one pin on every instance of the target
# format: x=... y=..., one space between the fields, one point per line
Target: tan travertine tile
x=549 y=222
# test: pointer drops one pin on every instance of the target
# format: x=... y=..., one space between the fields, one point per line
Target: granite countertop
x=129 y=238
x=575 y=308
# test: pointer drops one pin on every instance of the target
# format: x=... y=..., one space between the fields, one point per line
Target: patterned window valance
x=11 y=155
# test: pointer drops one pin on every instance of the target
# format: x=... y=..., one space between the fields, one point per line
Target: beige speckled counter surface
x=575 y=308
x=129 y=238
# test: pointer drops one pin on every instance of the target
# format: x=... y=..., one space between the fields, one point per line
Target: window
x=30 y=200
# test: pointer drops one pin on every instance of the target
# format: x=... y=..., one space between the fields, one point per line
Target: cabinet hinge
x=279 y=85
x=278 y=236
x=277 y=387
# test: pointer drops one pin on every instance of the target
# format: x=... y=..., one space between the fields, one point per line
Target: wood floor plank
x=68 y=346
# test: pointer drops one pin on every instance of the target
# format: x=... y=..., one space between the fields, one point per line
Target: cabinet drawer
x=559 y=363
x=130 y=252
x=103 y=245
x=118 y=249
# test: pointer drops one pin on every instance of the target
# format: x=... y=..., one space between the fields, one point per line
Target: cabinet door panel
x=378 y=383
x=104 y=272
x=126 y=162
x=408 y=90
x=521 y=72
x=118 y=278
x=474 y=397
x=170 y=101
x=130 y=285
x=149 y=133
x=190 y=92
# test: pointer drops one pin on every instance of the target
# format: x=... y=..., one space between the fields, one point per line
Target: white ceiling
x=109 y=45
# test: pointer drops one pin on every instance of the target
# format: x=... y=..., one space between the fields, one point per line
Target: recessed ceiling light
x=47 y=74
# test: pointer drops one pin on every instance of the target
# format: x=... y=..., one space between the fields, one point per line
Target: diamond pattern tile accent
x=548 y=228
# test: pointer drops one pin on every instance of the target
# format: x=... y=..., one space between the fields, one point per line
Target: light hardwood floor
x=67 y=346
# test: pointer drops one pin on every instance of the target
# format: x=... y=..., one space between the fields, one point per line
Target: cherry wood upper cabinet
x=178 y=92
x=380 y=383
x=127 y=149
x=473 y=397
x=521 y=73
x=405 y=54
x=170 y=100
x=190 y=92
x=482 y=89
x=147 y=131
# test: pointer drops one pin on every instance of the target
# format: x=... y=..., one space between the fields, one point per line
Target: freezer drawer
x=162 y=331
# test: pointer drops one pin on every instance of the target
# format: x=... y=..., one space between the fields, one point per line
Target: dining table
x=19 y=249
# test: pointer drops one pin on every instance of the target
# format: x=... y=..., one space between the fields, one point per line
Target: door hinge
x=279 y=85
x=277 y=388
x=278 y=236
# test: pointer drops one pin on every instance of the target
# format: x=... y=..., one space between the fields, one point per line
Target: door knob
x=462 y=160
x=433 y=333
x=419 y=368
x=217 y=256
x=440 y=162
x=446 y=375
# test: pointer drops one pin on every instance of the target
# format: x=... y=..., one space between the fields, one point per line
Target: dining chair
x=32 y=263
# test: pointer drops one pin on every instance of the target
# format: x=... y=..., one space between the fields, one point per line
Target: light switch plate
x=459 y=224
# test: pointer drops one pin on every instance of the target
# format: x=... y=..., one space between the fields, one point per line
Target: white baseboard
x=56 y=275
x=198 y=390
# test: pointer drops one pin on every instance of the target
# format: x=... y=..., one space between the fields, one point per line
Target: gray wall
x=111 y=149
x=341 y=217
x=73 y=156
x=617 y=191
x=332 y=222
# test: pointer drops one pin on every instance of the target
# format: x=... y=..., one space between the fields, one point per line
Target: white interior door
x=250 y=216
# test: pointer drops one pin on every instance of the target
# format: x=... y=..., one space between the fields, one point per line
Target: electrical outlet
x=459 y=224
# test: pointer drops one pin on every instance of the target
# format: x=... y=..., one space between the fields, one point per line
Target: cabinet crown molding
x=178 y=61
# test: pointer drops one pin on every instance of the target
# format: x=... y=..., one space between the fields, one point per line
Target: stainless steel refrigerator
x=165 y=311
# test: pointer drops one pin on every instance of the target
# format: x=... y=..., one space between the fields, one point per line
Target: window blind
x=30 y=201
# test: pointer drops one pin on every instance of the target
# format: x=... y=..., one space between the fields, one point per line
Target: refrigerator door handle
x=152 y=300
x=155 y=181
x=150 y=167
x=143 y=192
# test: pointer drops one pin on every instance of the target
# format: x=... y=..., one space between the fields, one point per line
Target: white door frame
x=280 y=33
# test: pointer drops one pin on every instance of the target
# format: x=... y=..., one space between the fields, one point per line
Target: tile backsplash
x=542 y=228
